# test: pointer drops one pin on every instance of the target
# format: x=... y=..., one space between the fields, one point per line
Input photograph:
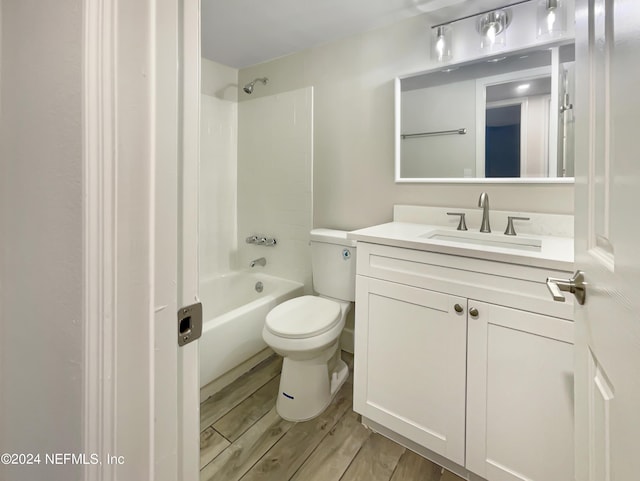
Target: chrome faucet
x=483 y=202
x=258 y=262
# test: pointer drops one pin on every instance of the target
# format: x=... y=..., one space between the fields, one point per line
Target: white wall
x=430 y=110
x=354 y=125
x=218 y=169
x=41 y=225
x=537 y=137
x=275 y=162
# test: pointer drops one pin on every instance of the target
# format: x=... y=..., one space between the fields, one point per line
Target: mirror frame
x=554 y=67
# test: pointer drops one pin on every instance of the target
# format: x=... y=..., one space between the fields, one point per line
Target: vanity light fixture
x=441 y=43
x=492 y=26
x=551 y=18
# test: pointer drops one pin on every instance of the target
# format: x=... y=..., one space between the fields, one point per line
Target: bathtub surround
x=218 y=169
x=275 y=161
x=255 y=177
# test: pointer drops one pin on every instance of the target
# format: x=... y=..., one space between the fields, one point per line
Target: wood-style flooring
x=243 y=438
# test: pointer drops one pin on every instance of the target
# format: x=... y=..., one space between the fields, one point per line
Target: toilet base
x=307 y=387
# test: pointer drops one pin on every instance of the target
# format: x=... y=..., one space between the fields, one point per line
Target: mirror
x=502 y=119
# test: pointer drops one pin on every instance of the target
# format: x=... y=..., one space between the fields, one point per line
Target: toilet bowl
x=306 y=330
x=312 y=371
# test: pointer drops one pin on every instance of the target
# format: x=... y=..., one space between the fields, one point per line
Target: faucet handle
x=462 y=225
x=510 y=230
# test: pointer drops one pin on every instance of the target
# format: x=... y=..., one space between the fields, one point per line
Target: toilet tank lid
x=332 y=236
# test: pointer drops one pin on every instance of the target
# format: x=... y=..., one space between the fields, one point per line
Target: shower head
x=249 y=87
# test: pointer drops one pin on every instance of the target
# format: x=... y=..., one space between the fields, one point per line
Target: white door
x=608 y=239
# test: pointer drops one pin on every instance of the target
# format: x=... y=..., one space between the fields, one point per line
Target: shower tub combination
x=234 y=309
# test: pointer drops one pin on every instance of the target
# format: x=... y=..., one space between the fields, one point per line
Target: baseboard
x=233 y=374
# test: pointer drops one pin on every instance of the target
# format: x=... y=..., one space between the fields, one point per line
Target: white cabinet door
x=410 y=367
x=519 y=395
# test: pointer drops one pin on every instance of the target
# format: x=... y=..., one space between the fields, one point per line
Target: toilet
x=306 y=330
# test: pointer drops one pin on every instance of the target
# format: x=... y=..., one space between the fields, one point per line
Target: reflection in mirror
x=507 y=117
x=514 y=125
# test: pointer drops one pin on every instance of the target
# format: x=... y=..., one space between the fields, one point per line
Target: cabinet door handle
x=474 y=312
x=458 y=308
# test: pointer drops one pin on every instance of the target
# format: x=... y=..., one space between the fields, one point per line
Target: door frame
x=481 y=109
x=523 y=102
x=140 y=179
x=99 y=244
x=188 y=235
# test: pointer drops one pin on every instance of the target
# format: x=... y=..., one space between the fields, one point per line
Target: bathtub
x=233 y=317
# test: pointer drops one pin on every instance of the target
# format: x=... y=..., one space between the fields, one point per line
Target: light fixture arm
x=482 y=13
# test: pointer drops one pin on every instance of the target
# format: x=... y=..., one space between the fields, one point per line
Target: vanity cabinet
x=467 y=358
x=411 y=349
x=519 y=395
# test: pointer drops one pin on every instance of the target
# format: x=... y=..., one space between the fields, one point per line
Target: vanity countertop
x=553 y=252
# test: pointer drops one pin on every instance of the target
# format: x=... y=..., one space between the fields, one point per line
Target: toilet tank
x=333 y=262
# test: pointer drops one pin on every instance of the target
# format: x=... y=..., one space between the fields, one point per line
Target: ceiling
x=240 y=33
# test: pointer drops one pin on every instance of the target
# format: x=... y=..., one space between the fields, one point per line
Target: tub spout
x=258 y=262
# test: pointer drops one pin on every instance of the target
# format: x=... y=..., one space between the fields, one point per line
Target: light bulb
x=440 y=47
x=441 y=39
x=492 y=27
x=491 y=34
x=551 y=19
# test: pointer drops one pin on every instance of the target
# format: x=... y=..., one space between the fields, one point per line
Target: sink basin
x=485 y=239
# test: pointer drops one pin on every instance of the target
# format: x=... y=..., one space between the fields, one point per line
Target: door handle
x=576 y=285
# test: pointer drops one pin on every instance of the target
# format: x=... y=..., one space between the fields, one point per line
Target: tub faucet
x=258 y=262
x=483 y=202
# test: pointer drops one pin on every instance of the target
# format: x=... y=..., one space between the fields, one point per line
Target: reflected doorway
x=503 y=141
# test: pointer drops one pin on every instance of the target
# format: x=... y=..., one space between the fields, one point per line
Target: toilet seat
x=303 y=317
